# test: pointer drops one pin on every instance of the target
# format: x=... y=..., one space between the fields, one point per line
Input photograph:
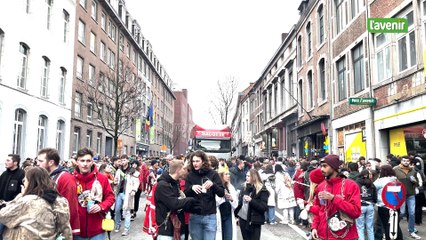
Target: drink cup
x=90 y=203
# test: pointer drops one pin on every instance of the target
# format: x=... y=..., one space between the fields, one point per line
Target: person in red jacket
x=339 y=202
x=95 y=196
x=48 y=158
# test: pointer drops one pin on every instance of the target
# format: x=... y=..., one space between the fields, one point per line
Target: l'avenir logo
x=387 y=25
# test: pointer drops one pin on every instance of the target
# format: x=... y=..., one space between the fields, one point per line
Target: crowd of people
x=201 y=197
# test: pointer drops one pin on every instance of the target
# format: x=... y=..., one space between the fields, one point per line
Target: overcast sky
x=199 y=41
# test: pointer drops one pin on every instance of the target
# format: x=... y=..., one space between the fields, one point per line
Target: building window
x=18 y=131
x=100 y=113
x=81 y=31
x=79 y=67
x=358 y=66
x=112 y=60
x=98 y=143
x=283 y=93
x=66 y=17
x=92 y=74
x=49 y=12
x=103 y=52
x=62 y=84
x=22 y=78
x=45 y=78
x=321 y=69
x=407 y=45
x=76 y=140
x=383 y=46
x=311 y=90
x=121 y=42
x=92 y=42
x=309 y=39
x=270 y=104
x=290 y=84
x=89 y=139
x=341 y=79
x=320 y=24
x=103 y=21
x=356 y=6
x=77 y=104
x=300 y=96
x=341 y=18
x=41 y=132
x=60 y=136
x=299 y=51
x=94 y=10
x=89 y=110
x=275 y=100
x=83 y=3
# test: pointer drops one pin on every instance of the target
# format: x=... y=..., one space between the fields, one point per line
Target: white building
x=36 y=66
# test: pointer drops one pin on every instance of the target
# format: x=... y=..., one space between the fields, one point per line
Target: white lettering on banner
x=212 y=134
x=394 y=189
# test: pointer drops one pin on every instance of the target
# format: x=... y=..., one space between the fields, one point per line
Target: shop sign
x=355 y=147
x=397 y=142
x=363 y=101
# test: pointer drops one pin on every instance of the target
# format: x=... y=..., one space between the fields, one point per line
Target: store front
x=312 y=137
x=409 y=138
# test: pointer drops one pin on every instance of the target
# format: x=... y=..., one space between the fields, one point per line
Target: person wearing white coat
x=285 y=195
x=226 y=206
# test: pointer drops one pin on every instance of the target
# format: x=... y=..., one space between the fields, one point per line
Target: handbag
x=107 y=223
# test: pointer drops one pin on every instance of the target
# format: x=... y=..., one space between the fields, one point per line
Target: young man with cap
x=339 y=204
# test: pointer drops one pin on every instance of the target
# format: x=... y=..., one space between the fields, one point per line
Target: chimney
x=283 y=36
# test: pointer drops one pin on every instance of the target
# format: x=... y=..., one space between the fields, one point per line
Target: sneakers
x=273 y=223
x=117 y=228
x=125 y=232
x=414 y=236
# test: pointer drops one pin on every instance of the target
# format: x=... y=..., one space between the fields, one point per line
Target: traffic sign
x=393 y=221
x=393 y=194
x=363 y=101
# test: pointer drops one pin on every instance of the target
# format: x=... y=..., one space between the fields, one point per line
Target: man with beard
x=48 y=158
x=337 y=199
x=171 y=203
x=407 y=176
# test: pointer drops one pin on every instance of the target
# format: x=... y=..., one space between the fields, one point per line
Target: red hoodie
x=349 y=204
x=299 y=189
x=91 y=224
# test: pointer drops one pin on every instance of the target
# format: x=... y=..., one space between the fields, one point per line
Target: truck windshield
x=213 y=145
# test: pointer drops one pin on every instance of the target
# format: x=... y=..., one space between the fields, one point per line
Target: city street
x=269 y=232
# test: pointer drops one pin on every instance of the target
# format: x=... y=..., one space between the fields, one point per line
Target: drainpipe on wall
x=331 y=99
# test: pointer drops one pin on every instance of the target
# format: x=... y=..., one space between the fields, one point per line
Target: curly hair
x=204 y=159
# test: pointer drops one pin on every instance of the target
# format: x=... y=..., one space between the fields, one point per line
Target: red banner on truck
x=198 y=131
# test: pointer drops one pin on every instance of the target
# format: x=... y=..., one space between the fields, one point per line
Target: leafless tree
x=222 y=100
x=180 y=130
x=116 y=97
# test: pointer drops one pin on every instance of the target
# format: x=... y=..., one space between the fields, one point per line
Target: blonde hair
x=256 y=180
x=312 y=188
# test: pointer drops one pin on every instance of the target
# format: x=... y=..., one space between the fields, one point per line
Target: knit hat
x=316 y=176
x=333 y=161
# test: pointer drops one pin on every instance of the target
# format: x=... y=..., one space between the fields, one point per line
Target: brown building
x=110 y=48
x=182 y=123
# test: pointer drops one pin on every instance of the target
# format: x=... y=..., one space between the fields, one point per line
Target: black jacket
x=206 y=200
x=368 y=191
x=10 y=183
x=257 y=206
x=167 y=200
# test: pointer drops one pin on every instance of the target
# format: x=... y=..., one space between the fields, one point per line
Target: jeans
x=411 y=203
x=119 y=200
x=1 y=231
x=162 y=237
x=270 y=215
x=227 y=227
x=250 y=232
x=137 y=198
x=366 y=219
x=202 y=227
x=100 y=236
